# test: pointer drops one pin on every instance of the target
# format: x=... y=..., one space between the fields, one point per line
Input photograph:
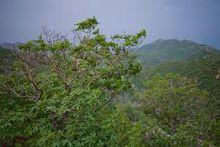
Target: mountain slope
x=206 y=71
x=172 y=50
x=190 y=59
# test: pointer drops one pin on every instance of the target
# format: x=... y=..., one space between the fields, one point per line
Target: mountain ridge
x=172 y=50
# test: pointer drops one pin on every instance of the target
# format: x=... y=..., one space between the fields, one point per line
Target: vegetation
x=180 y=110
x=172 y=50
x=56 y=91
x=201 y=67
x=204 y=70
x=5 y=58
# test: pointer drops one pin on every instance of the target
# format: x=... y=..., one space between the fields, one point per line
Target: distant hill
x=10 y=46
x=197 y=61
x=162 y=51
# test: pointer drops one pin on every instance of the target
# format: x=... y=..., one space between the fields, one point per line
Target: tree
x=60 y=93
x=177 y=112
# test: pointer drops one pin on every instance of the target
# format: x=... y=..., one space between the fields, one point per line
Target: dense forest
x=94 y=90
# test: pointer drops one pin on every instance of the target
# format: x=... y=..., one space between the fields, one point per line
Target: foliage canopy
x=60 y=92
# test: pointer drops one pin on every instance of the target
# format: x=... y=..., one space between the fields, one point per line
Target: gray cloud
x=198 y=20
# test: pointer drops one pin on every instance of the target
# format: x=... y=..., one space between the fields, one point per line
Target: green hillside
x=199 y=62
x=205 y=70
x=172 y=50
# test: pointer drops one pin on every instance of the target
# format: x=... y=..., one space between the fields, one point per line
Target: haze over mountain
x=196 y=20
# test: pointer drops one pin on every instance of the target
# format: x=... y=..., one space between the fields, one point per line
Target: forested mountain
x=162 y=51
x=191 y=59
x=198 y=62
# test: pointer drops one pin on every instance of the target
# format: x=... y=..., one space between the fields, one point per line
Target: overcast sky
x=197 y=20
